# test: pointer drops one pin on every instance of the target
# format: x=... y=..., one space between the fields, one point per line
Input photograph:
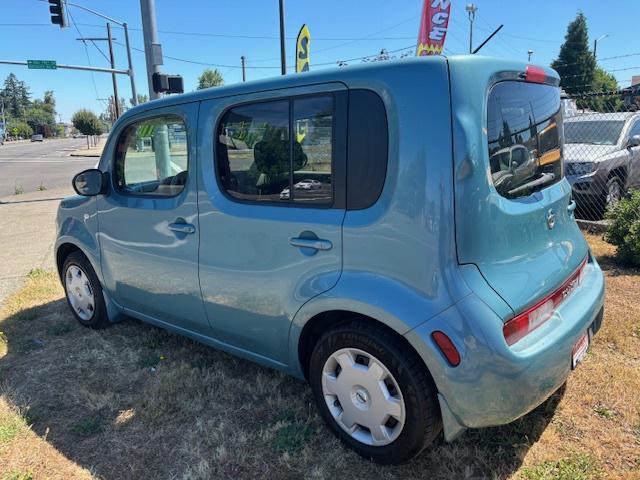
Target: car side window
x=278 y=151
x=313 y=122
x=635 y=129
x=152 y=157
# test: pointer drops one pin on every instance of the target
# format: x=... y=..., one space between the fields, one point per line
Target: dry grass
x=134 y=401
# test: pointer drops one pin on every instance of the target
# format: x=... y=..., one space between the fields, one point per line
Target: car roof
x=589 y=116
x=327 y=75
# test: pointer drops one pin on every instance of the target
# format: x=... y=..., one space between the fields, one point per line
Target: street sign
x=42 y=64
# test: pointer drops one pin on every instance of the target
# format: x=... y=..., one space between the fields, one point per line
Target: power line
x=229 y=35
x=86 y=50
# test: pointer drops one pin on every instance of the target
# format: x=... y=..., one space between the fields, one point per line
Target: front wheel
x=373 y=393
x=83 y=291
x=614 y=192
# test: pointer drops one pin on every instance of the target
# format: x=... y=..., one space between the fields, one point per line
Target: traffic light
x=58 y=17
x=167 y=83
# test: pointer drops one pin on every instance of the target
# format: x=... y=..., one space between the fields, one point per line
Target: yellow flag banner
x=302 y=49
x=433 y=27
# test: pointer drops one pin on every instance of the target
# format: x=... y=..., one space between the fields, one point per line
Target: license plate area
x=580 y=349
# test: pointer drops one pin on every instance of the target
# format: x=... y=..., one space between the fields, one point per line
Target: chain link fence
x=602 y=148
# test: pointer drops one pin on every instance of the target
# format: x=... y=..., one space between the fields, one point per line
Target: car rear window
x=524 y=129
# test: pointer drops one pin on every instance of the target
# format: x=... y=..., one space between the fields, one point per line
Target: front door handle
x=182 y=227
x=314 y=243
x=572 y=206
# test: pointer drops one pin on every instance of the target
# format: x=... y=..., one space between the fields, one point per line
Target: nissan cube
x=399 y=235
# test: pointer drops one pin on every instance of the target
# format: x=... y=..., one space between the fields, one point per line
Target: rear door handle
x=181 y=227
x=315 y=243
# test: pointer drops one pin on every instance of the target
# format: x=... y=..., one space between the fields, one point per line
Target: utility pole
x=4 y=121
x=134 y=93
x=471 y=10
x=529 y=53
x=283 y=56
x=152 y=47
x=126 y=38
x=111 y=59
x=595 y=44
x=116 y=98
x=244 y=77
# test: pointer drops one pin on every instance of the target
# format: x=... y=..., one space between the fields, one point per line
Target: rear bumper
x=494 y=383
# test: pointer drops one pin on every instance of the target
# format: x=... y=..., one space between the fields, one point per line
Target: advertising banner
x=302 y=50
x=433 y=27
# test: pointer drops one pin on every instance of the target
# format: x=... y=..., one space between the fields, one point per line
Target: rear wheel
x=373 y=393
x=83 y=291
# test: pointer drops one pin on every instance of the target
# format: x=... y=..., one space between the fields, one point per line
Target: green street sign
x=42 y=64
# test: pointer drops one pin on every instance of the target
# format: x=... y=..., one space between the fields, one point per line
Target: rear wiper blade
x=543 y=180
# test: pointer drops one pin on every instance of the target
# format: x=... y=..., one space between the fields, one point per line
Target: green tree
x=18 y=128
x=16 y=96
x=87 y=123
x=41 y=117
x=210 y=78
x=575 y=63
x=141 y=99
x=605 y=82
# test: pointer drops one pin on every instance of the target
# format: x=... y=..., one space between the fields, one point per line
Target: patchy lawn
x=134 y=401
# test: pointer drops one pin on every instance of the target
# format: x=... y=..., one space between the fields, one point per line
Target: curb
x=591 y=226
x=86 y=154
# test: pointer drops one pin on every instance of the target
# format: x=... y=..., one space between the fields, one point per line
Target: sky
x=201 y=34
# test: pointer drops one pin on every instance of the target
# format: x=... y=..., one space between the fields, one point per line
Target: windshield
x=593 y=132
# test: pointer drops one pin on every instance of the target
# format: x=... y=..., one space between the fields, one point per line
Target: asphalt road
x=28 y=165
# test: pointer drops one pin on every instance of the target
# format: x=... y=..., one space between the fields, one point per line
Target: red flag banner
x=433 y=27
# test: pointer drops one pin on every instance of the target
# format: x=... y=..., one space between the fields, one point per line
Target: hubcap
x=79 y=292
x=363 y=397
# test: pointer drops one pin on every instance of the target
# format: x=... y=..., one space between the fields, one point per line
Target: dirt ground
x=134 y=401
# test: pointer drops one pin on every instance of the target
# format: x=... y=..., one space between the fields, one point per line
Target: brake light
x=534 y=74
x=527 y=321
x=447 y=348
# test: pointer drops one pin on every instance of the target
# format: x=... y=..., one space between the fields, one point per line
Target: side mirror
x=634 y=141
x=89 y=183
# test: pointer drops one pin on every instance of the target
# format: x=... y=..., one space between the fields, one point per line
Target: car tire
x=383 y=379
x=83 y=291
x=614 y=192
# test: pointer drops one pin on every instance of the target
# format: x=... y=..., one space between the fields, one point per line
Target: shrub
x=624 y=229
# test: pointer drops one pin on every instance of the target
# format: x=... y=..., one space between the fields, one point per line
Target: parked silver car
x=602 y=155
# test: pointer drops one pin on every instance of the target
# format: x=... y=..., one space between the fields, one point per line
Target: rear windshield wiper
x=543 y=180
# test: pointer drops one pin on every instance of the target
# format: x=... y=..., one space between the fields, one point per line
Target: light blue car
x=425 y=285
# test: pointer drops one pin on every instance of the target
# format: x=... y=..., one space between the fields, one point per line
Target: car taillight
x=527 y=321
x=534 y=74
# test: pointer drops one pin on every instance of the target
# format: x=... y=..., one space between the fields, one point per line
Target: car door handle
x=315 y=243
x=182 y=227
x=572 y=206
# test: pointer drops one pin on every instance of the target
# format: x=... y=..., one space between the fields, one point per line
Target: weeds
x=18 y=189
x=88 y=426
x=292 y=438
x=18 y=475
x=10 y=426
x=575 y=467
x=41 y=187
x=604 y=411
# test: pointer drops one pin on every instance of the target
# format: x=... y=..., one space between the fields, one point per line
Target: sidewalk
x=27 y=236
